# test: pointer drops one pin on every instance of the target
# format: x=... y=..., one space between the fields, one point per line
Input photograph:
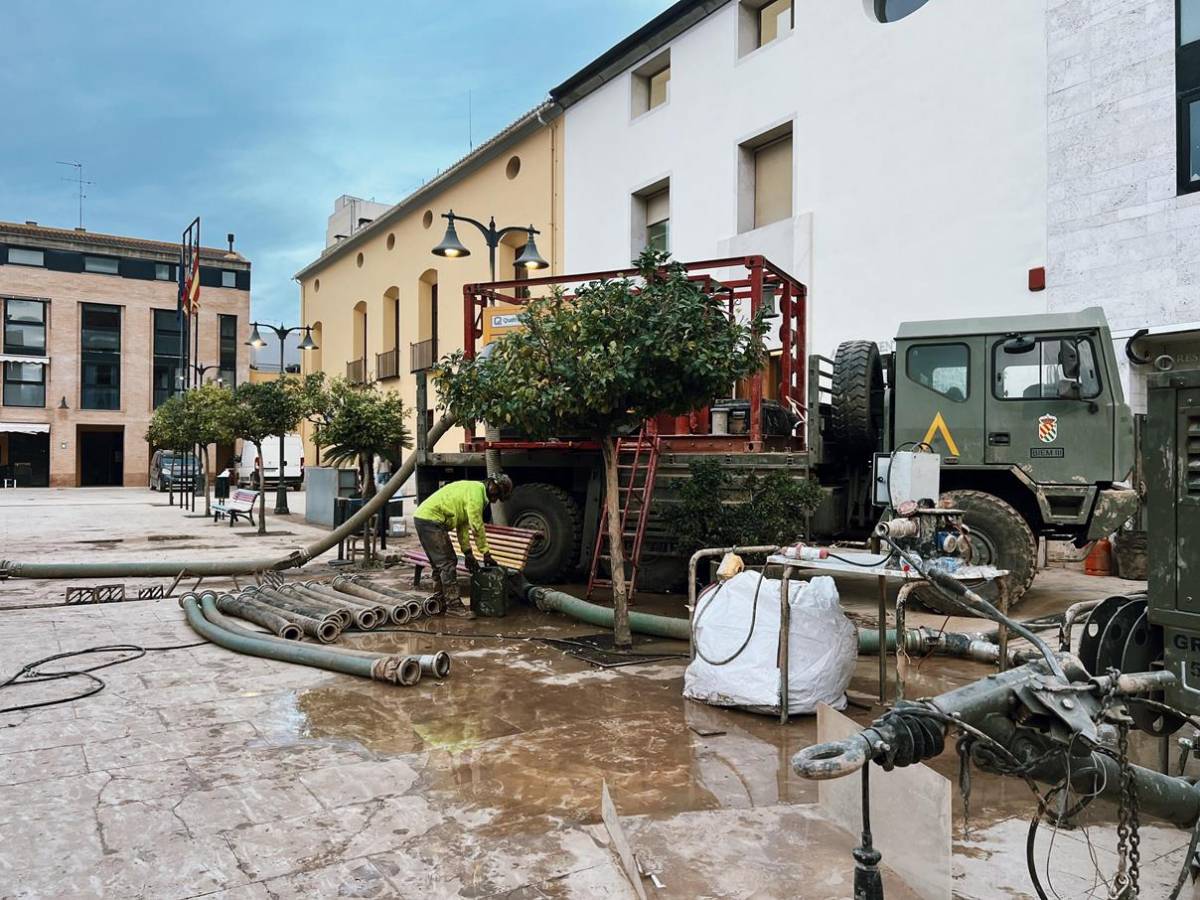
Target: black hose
x=749 y=633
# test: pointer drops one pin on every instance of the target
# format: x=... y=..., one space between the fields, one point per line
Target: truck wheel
x=857 y=397
x=553 y=512
x=1000 y=537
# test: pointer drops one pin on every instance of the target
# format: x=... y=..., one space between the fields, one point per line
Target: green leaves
x=615 y=354
x=264 y=409
x=200 y=416
x=358 y=420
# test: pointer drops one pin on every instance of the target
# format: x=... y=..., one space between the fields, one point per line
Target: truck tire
x=856 y=419
x=1000 y=537
x=552 y=511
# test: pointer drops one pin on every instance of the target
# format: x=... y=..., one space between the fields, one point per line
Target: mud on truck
x=1027 y=413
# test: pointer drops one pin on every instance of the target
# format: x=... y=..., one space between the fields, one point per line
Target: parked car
x=293 y=463
x=171 y=469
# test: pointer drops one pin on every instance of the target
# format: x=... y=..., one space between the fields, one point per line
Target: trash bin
x=221 y=486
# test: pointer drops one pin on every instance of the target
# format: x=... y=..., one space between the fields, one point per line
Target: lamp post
x=306 y=343
x=453 y=248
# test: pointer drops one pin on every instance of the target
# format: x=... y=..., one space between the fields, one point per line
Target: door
x=1055 y=439
x=101 y=456
x=940 y=389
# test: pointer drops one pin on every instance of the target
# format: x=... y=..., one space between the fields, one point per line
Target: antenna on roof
x=470 y=125
x=78 y=179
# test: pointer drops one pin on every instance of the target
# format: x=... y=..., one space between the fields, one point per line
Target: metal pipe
x=343 y=588
x=302 y=598
x=392 y=669
x=415 y=610
x=692 y=564
x=394 y=593
x=167 y=568
x=1072 y=613
x=435 y=664
x=329 y=624
x=244 y=608
x=324 y=629
x=366 y=615
x=433 y=605
x=303 y=605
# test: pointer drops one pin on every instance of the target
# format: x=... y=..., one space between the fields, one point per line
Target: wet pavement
x=198 y=772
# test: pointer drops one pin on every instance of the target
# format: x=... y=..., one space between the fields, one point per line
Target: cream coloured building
x=381 y=304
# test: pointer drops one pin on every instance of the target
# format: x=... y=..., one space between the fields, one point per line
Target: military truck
x=1027 y=412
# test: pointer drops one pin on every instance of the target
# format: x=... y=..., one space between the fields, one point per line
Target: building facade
x=91 y=348
x=382 y=305
x=908 y=159
x=896 y=167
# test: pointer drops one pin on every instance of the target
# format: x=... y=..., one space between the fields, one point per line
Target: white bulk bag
x=822 y=648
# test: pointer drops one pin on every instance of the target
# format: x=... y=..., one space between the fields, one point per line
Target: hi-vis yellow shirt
x=458 y=505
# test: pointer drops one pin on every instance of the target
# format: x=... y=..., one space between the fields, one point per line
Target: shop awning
x=36 y=360
x=25 y=427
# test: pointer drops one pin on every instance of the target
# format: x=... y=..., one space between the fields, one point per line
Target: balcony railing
x=356 y=371
x=424 y=355
x=387 y=365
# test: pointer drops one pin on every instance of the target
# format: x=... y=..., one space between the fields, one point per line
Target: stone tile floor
x=198 y=772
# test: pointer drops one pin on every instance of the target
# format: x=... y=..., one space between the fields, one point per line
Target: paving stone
x=39 y=765
x=245 y=803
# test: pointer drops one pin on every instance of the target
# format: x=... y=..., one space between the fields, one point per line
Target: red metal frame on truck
x=687 y=433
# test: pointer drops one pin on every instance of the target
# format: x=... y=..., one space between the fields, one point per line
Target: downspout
x=166 y=568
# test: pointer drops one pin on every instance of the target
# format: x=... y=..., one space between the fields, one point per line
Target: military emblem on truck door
x=1048 y=429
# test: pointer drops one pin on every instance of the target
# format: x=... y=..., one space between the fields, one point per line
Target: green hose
x=202 y=616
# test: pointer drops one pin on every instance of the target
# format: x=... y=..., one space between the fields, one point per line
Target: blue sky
x=257 y=115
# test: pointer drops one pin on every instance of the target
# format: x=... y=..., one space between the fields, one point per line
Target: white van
x=293 y=462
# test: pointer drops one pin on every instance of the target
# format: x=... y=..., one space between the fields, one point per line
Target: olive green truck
x=1027 y=412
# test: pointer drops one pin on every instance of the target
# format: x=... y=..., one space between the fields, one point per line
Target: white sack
x=822 y=649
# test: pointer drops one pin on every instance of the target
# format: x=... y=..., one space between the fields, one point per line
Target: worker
x=459 y=506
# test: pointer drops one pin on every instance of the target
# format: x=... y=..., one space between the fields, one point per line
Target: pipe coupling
x=403 y=670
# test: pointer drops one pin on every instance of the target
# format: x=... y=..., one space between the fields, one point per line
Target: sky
x=257 y=115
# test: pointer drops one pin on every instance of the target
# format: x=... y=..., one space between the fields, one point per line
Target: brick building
x=90 y=346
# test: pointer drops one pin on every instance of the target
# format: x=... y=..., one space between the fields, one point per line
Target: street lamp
x=306 y=343
x=452 y=248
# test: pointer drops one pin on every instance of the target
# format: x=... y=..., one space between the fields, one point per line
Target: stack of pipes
x=322 y=612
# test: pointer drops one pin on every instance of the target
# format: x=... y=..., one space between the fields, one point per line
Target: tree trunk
x=207 y=484
x=262 y=490
x=368 y=491
x=622 y=637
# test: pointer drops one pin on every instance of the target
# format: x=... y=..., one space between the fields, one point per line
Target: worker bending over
x=459 y=506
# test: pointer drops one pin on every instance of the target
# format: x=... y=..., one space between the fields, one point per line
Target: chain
x=1125 y=883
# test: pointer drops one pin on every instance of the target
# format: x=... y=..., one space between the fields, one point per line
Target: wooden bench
x=240 y=503
x=510 y=548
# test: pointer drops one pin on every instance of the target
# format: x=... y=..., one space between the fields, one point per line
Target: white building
x=950 y=162
x=349 y=215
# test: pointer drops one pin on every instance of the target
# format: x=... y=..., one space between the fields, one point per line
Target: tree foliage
x=358 y=423
x=261 y=410
x=715 y=509
x=616 y=353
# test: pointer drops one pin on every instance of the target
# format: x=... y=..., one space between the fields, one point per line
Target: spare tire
x=999 y=537
x=553 y=512
x=856 y=421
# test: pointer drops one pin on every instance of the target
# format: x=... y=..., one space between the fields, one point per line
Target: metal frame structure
x=689 y=432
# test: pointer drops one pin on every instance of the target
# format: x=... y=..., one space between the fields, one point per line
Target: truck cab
x=1029 y=416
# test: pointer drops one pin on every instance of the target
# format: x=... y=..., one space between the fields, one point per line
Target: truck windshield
x=1035 y=374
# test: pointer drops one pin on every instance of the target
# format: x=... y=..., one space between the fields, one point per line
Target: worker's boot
x=454 y=604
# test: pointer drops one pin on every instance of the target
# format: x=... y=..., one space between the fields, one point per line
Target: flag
x=193 y=296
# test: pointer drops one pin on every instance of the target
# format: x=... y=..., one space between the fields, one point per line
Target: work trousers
x=435 y=541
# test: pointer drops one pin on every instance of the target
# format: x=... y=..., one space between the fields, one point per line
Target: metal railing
x=356 y=371
x=387 y=365
x=424 y=355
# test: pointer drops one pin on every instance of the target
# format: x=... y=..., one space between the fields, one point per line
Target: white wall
x=919 y=153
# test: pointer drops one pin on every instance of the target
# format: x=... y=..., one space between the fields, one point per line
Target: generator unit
x=1171 y=450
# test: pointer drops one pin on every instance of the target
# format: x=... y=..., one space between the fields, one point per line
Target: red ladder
x=637 y=458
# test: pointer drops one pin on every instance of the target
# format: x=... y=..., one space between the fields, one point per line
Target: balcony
x=387 y=365
x=356 y=371
x=424 y=355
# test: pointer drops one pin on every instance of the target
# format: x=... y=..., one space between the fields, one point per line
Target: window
x=762 y=21
x=942 y=368
x=228 y=279
x=24 y=384
x=651 y=83
x=1187 y=95
x=100 y=341
x=103 y=265
x=22 y=257
x=1037 y=374
x=25 y=327
x=227 y=364
x=765 y=179
x=168 y=344
x=895 y=10
x=651 y=225
x=164 y=272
